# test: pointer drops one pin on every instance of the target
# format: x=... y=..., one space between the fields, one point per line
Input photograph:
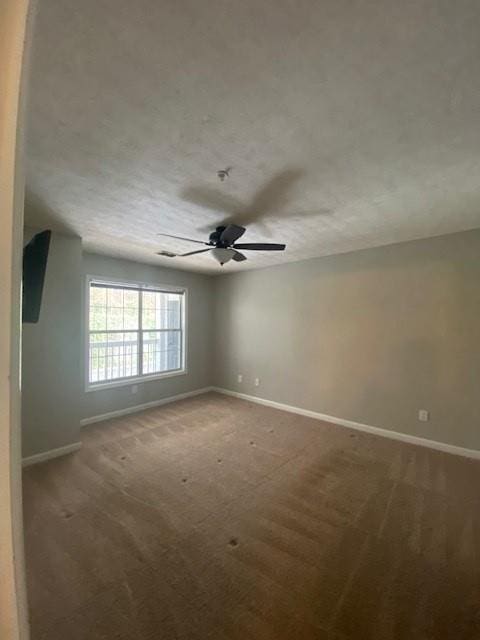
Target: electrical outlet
x=240 y=378
x=257 y=382
x=134 y=388
x=423 y=415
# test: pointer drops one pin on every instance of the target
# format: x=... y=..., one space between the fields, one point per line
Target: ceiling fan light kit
x=221 y=243
x=222 y=255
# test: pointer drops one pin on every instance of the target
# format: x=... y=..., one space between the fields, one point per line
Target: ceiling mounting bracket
x=224 y=173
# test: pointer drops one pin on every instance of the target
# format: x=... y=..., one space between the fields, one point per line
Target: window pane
x=130 y=299
x=119 y=311
x=173 y=303
x=98 y=318
x=114 y=318
x=98 y=296
x=130 y=318
x=98 y=309
x=161 y=310
x=114 y=324
x=113 y=356
x=148 y=299
x=162 y=351
x=148 y=319
x=115 y=297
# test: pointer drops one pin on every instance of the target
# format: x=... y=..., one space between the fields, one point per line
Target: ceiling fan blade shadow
x=260 y=246
x=208 y=198
x=268 y=202
x=273 y=195
x=322 y=211
x=261 y=224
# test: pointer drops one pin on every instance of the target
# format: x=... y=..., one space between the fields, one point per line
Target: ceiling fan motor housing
x=214 y=237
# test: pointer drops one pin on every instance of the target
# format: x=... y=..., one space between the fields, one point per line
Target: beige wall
x=51 y=366
x=54 y=399
x=370 y=336
x=199 y=335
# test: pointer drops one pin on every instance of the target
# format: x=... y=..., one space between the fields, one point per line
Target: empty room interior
x=250 y=401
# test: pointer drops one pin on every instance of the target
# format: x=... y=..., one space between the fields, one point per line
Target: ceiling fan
x=222 y=244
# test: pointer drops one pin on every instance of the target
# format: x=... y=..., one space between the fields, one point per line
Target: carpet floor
x=215 y=518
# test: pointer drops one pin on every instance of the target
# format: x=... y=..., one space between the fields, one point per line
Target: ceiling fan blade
x=192 y=253
x=239 y=257
x=231 y=233
x=260 y=246
x=169 y=254
x=168 y=235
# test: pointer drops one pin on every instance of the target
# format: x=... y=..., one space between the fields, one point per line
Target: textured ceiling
x=347 y=123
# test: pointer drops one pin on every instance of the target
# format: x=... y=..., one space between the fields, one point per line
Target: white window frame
x=120 y=382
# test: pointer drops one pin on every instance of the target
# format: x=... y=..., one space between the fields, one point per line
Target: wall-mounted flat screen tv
x=35 y=255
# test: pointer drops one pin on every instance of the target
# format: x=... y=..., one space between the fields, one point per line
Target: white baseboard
x=141 y=407
x=386 y=433
x=52 y=453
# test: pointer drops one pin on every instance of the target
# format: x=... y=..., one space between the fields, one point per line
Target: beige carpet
x=216 y=518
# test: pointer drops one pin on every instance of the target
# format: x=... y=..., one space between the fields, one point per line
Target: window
x=134 y=331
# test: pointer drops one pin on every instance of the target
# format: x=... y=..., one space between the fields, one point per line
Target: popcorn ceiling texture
x=347 y=124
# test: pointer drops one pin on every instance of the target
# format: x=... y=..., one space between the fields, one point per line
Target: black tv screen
x=35 y=255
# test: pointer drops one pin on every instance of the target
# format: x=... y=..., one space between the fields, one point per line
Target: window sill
x=125 y=382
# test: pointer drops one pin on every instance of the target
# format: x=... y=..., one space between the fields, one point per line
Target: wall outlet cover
x=257 y=382
x=423 y=415
x=240 y=378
